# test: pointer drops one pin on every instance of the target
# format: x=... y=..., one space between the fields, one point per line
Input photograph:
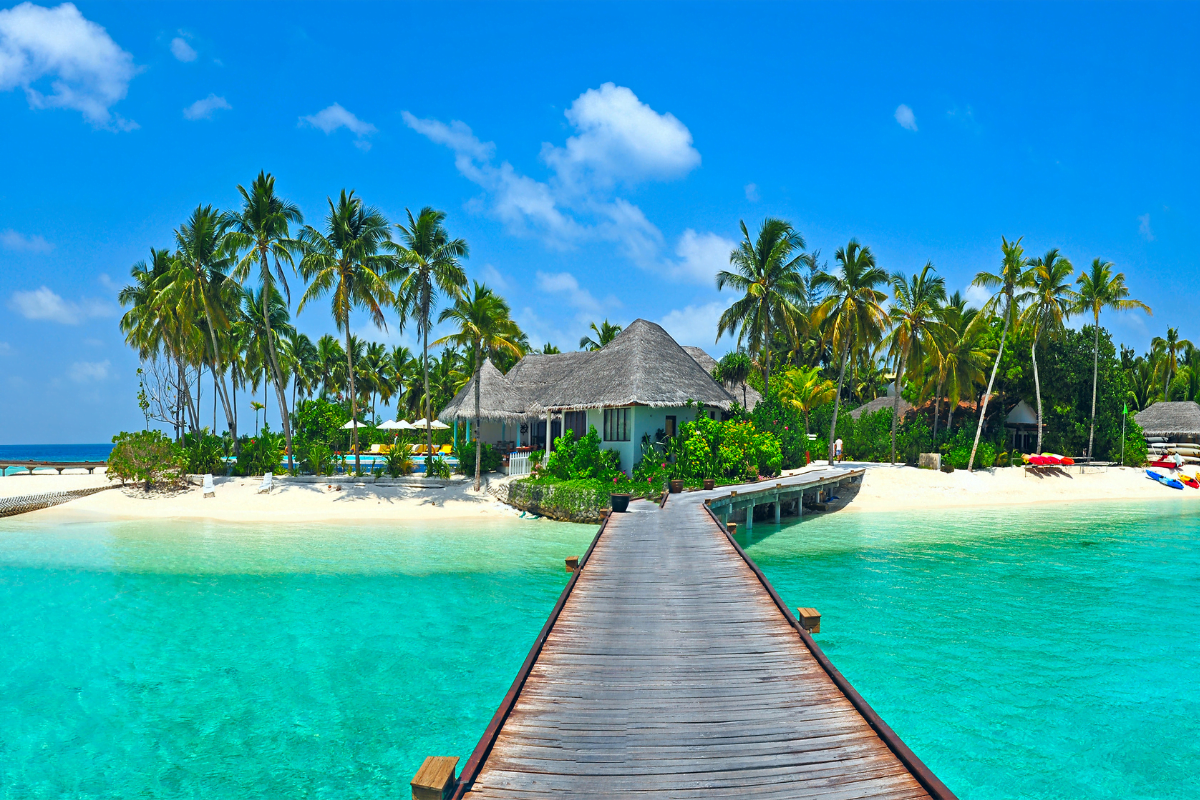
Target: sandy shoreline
x=884 y=488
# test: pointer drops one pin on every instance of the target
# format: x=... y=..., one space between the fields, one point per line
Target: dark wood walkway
x=671 y=667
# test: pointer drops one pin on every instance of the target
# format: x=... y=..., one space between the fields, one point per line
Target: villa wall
x=643 y=421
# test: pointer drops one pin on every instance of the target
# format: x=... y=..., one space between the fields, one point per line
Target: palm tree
x=375 y=372
x=1169 y=349
x=264 y=317
x=549 y=349
x=767 y=272
x=804 y=389
x=914 y=325
x=263 y=229
x=306 y=365
x=1099 y=289
x=347 y=261
x=734 y=369
x=604 y=334
x=331 y=359
x=959 y=361
x=484 y=324
x=1012 y=276
x=1051 y=301
x=852 y=313
x=429 y=265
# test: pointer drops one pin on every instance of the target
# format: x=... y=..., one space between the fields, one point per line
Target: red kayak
x=1188 y=480
x=1045 y=461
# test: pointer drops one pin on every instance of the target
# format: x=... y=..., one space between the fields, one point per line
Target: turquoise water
x=1023 y=653
x=1037 y=652
x=190 y=660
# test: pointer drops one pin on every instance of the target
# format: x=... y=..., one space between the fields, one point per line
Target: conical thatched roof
x=880 y=403
x=642 y=366
x=707 y=363
x=1170 y=419
x=499 y=400
x=537 y=372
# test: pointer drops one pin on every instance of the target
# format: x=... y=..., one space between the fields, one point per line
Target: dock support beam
x=435 y=779
x=749 y=518
x=777 y=512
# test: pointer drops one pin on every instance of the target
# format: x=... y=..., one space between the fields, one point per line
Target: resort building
x=639 y=387
x=1177 y=421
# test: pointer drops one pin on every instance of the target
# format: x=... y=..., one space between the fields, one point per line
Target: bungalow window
x=616 y=424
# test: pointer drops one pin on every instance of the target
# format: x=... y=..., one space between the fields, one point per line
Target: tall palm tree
x=263 y=229
x=348 y=261
x=1051 y=300
x=483 y=323
x=332 y=360
x=1169 y=348
x=200 y=274
x=1011 y=277
x=914 y=324
x=962 y=359
x=306 y=366
x=767 y=272
x=374 y=372
x=804 y=389
x=1099 y=289
x=604 y=334
x=429 y=265
x=734 y=369
x=852 y=313
x=264 y=318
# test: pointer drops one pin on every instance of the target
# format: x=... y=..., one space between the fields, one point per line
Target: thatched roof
x=642 y=366
x=537 y=372
x=708 y=363
x=1170 y=419
x=880 y=403
x=499 y=400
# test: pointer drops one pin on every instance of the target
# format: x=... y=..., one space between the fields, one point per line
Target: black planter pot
x=619 y=502
x=709 y=483
x=676 y=487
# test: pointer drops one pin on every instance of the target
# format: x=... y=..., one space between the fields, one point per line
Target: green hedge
x=572 y=501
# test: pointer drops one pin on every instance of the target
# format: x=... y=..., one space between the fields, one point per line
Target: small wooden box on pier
x=435 y=779
x=810 y=619
x=572 y=563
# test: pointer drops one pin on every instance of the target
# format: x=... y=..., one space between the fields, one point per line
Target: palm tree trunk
x=1095 y=376
x=229 y=415
x=896 y=403
x=983 y=404
x=478 y=438
x=937 y=406
x=425 y=369
x=1037 y=386
x=353 y=398
x=276 y=374
x=767 y=360
x=837 y=400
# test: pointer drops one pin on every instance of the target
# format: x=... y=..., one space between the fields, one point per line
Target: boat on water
x=1165 y=480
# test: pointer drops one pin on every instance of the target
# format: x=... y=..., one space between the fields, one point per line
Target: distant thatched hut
x=744 y=393
x=879 y=404
x=1175 y=421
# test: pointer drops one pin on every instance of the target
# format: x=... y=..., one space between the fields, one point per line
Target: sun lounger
x=209 y=491
x=446 y=449
x=267 y=485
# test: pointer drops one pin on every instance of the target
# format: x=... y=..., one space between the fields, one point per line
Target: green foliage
x=203 y=453
x=489 y=461
x=1135 y=444
x=399 y=462
x=582 y=460
x=147 y=457
x=261 y=454
x=317 y=458
x=786 y=424
x=319 y=422
x=572 y=500
x=438 y=468
x=705 y=448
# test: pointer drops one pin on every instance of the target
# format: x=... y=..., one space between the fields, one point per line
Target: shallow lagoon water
x=1025 y=652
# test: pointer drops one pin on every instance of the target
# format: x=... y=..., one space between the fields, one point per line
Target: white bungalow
x=637 y=386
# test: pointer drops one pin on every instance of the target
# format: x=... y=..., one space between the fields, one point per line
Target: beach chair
x=446 y=449
x=209 y=491
x=268 y=484
x=375 y=449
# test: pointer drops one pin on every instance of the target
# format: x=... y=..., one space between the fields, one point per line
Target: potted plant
x=709 y=483
x=676 y=485
x=619 y=502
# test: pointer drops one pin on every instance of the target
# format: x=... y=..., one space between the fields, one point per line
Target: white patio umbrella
x=394 y=425
x=436 y=425
x=349 y=426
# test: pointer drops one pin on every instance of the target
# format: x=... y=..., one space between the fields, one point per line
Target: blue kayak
x=1165 y=480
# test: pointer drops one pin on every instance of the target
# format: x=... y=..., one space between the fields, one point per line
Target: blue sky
x=597 y=158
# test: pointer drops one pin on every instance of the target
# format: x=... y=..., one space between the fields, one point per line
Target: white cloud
x=182 y=50
x=494 y=278
x=205 y=108
x=1144 y=227
x=334 y=117
x=695 y=325
x=11 y=240
x=108 y=283
x=88 y=371
x=5 y=348
x=43 y=304
x=906 y=118
x=977 y=296
x=752 y=192
x=566 y=285
x=619 y=141
x=87 y=71
x=701 y=255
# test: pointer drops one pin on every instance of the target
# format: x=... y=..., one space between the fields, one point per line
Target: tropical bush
x=147 y=457
x=203 y=453
x=399 y=462
x=489 y=461
x=316 y=458
x=706 y=448
x=319 y=422
x=260 y=454
x=438 y=468
x=582 y=460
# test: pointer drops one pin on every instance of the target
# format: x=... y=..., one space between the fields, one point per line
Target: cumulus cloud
x=977 y=296
x=701 y=255
x=906 y=118
x=206 y=107
x=44 y=304
x=86 y=70
x=494 y=278
x=567 y=286
x=11 y=240
x=1144 y=227
x=88 y=371
x=695 y=325
x=752 y=192
x=619 y=141
x=182 y=50
x=334 y=117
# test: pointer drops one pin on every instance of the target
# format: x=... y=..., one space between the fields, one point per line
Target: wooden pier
x=671 y=667
x=56 y=465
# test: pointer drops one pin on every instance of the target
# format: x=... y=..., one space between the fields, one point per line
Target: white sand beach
x=885 y=488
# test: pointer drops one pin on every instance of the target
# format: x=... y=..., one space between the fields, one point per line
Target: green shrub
x=260 y=454
x=399 y=462
x=320 y=422
x=582 y=460
x=203 y=453
x=438 y=468
x=317 y=459
x=147 y=457
x=490 y=460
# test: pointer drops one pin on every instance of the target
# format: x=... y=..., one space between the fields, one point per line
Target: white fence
x=519 y=464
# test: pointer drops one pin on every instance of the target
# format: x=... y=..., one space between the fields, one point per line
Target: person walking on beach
x=837 y=449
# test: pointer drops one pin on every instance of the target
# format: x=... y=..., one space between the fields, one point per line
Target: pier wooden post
x=810 y=619
x=435 y=779
x=749 y=518
x=572 y=563
x=777 y=511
